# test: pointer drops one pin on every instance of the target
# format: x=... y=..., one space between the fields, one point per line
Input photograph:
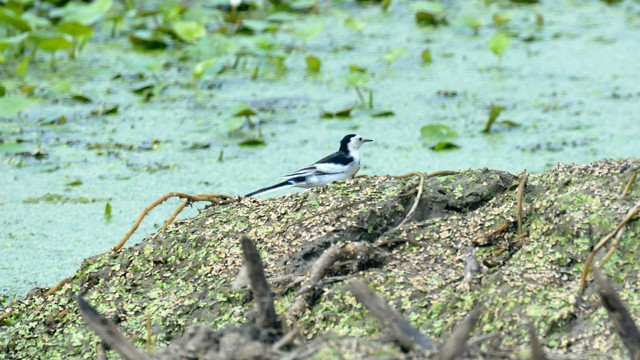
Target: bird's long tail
x=282 y=185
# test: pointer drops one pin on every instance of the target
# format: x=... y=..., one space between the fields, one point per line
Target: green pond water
x=570 y=84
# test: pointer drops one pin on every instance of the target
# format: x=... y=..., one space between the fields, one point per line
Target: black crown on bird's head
x=345 y=142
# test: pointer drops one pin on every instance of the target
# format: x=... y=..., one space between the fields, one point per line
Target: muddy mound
x=183 y=275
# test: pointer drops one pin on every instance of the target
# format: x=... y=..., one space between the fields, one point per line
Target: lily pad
x=309 y=32
x=344 y=113
x=54 y=44
x=189 y=31
x=241 y=110
x=81 y=98
x=355 y=24
x=6 y=42
x=85 y=14
x=356 y=78
x=13 y=19
x=253 y=142
x=437 y=132
x=444 y=145
x=75 y=29
x=150 y=39
x=11 y=105
x=499 y=43
x=313 y=63
x=493 y=115
x=426 y=56
x=394 y=54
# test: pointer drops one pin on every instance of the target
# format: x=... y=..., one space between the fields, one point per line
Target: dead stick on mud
x=335 y=253
x=521 y=186
x=619 y=315
x=213 y=198
x=408 y=336
x=58 y=286
x=537 y=353
x=457 y=341
x=630 y=215
x=265 y=310
x=630 y=183
x=109 y=333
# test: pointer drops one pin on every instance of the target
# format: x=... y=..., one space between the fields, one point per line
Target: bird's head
x=352 y=142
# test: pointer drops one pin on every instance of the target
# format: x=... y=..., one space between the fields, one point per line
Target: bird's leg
x=354 y=173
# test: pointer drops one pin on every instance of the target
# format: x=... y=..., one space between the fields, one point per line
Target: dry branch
x=213 y=198
x=109 y=333
x=402 y=331
x=336 y=252
x=521 y=186
x=457 y=341
x=620 y=317
x=265 y=311
x=537 y=353
x=630 y=215
x=630 y=183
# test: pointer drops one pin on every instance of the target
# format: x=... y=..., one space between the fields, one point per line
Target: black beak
x=366 y=140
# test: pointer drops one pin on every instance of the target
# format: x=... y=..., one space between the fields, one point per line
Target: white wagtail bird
x=335 y=167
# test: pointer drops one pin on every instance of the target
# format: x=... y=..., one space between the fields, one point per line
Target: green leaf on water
x=252 y=142
x=499 y=43
x=107 y=212
x=7 y=41
x=493 y=115
x=241 y=110
x=355 y=24
x=356 y=78
x=437 y=132
x=21 y=68
x=189 y=31
x=470 y=22
x=426 y=56
x=385 y=4
x=203 y=66
x=13 y=147
x=394 y=54
x=85 y=14
x=343 y=113
x=54 y=44
x=444 y=145
x=75 y=29
x=150 y=39
x=309 y=32
x=313 y=63
x=233 y=124
x=11 y=105
x=13 y=19
x=3 y=91
x=81 y=98
x=74 y=183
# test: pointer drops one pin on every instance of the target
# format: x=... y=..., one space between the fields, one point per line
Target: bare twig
x=101 y=354
x=408 y=336
x=336 y=252
x=630 y=183
x=109 y=333
x=457 y=341
x=213 y=198
x=417 y=200
x=58 y=286
x=537 y=353
x=521 y=186
x=265 y=311
x=619 y=315
x=630 y=215
x=497 y=230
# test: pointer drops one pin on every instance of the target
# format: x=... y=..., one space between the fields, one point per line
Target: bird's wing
x=332 y=164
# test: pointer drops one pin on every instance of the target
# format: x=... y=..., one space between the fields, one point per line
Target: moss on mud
x=182 y=275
